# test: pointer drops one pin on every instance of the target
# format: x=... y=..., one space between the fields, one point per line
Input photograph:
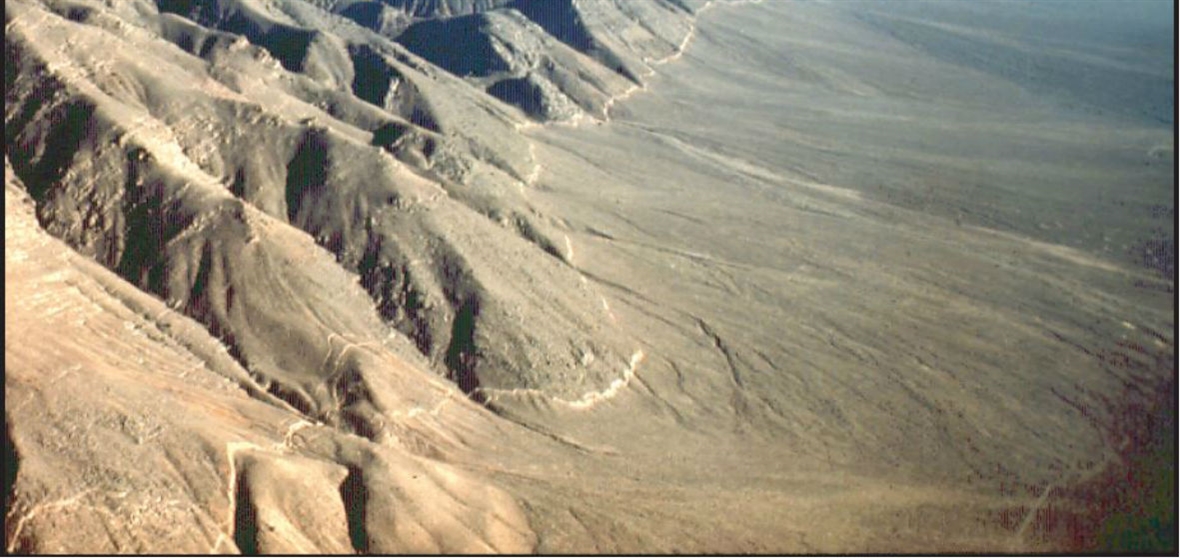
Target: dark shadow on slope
x=72 y=126
x=193 y=38
x=289 y=45
x=307 y=171
x=388 y=134
x=355 y=407
x=431 y=9
x=377 y=17
x=372 y=77
x=245 y=518
x=208 y=280
x=11 y=466
x=528 y=230
x=422 y=118
x=460 y=45
x=559 y=19
x=146 y=231
x=462 y=355
x=40 y=156
x=22 y=109
x=179 y=7
x=398 y=298
x=401 y=139
x=521 y=92
x=355 y=498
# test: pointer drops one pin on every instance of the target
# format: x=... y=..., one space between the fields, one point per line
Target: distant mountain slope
x=1090 y=54
x=517 y=62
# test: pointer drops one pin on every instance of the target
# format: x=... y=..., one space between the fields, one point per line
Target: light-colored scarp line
x=418 y=410
x=293 y=430
x=588 y=400
x=606 y=307
x=593 y=398
x=1032 y=512
x=675 y=55
x=232 y=448
x=348 y=345
x=535 y=174
x=221 y=538
x=569 y=249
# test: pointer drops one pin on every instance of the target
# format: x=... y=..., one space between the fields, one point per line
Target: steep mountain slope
x=435 y=258
x=135 y=430
x=208 y=153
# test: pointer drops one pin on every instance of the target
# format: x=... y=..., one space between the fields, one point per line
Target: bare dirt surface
x=628 y=277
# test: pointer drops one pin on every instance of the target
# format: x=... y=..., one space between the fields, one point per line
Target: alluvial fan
x=551 y=276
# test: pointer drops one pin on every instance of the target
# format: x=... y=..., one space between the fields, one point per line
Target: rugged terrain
x=568 y=276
